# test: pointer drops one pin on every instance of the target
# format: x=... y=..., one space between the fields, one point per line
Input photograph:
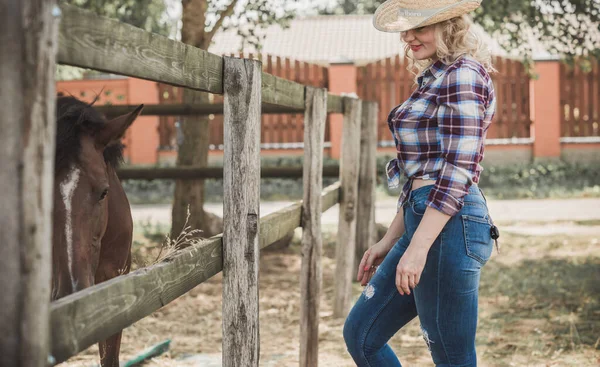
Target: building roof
x=326 y=39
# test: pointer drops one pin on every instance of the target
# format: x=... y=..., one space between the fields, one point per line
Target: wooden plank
x=367 y=174
x=596 y=98
x=360 y=90
x=379 y=86
x=388 y=92
x=279 y=91
x=311 y=276
x=408 y=80
x=563 y=102
x=186 y=109
x=399 y=86
x=278 y=122
x=195 y=173
x=526 y=105
x=334 y=103
x=502 y=103
x=570 y=101
x=522 y=100
x=268 y=121
x=298 y=122
x=511 y=125
x=592 y=106
x=84 y=318
x=331 y=196
x=90 y=41
x=581 y=101
x=518 y=94
x=369 y=94
x=241 y=208
x=277 y=225
x=349 y=168
x=288 y=128
x=28 y=38
x=575 y=96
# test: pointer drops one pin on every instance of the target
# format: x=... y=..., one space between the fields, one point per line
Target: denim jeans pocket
x=418 y=207
x=478 y=239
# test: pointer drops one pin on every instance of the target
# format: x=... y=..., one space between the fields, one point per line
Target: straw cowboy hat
x=402 y=15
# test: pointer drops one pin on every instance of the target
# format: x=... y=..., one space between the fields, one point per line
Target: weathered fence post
x=241 y=181
x=365 y=210
x=311 y=277
x=28 y=43
x=346 y=238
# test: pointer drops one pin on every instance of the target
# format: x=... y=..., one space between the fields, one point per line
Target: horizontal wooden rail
x=194 y=173
x=90 y=41
x=277 y=225
x=200 y=109
x=334 y=103
x=185 y=110
x=86 y=317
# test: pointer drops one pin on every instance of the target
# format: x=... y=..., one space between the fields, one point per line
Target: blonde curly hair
x=454 y=38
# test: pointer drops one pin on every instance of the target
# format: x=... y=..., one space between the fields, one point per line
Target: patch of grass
x=589 y=222
x=540 y=303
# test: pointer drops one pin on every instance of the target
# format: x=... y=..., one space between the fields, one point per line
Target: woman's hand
x=410 y=267
x=372 y=258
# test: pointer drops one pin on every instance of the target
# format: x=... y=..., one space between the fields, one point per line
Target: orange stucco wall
x=545 y=92
x=143 y=137
x=342 y=79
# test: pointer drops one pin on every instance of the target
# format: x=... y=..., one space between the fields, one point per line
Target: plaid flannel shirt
x=440 y=131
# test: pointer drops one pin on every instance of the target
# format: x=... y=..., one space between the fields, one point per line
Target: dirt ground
x=539 y=306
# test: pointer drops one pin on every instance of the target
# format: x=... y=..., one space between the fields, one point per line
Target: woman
x=428 y=263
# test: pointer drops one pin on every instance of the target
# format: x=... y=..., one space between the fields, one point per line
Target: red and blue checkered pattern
x=440 y=132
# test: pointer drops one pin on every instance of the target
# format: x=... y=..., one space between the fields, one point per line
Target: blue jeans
x=445 y=299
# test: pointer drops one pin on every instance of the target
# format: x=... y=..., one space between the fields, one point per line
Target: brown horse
x=92 y=219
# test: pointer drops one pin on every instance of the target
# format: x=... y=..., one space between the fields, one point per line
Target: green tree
x=201 y=20
x=146 y=14
x=566 y=27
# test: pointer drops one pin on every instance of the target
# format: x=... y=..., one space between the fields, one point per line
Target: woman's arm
x=396 y=229
x=376 y=253
x=411 y=264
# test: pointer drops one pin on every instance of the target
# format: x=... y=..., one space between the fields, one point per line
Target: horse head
x=88 y=147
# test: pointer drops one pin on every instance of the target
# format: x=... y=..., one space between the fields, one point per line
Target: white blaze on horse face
x=67 y=189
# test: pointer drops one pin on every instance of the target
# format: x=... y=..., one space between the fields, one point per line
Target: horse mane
x=75 y=118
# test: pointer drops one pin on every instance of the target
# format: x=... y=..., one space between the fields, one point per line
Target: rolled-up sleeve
x=460 y=115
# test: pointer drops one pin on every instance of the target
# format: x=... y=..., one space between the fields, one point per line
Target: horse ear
x=115 y=128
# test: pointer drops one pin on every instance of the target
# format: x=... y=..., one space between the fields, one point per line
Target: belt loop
x=481 y=191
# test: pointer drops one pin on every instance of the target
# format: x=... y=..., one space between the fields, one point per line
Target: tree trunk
x=190 y=193
x=28 y=43
x=196 y=136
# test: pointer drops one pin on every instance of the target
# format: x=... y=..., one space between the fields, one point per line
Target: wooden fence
x=580 y=99
x=390 y=83
x=86 y=317
x=277 y=130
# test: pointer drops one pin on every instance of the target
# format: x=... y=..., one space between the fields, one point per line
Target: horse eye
x=103 y=195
